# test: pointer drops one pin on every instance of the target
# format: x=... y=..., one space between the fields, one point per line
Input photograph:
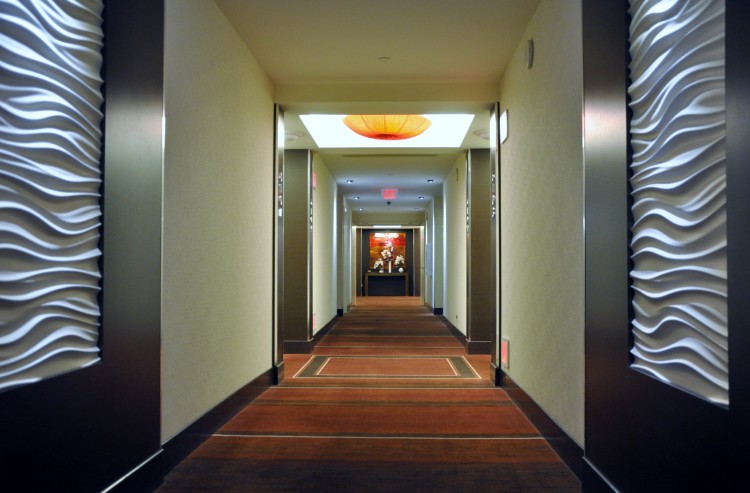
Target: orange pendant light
x=387 y=127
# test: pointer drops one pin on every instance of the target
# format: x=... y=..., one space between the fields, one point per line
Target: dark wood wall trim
x=277 y=304
x=298 y=347
x=307 y=347
x=568 y=450
x=605 y=27
x=297 y=251
x=738 y=233
x=319 y=335
x=54 y=432
x=454 y=330
x=181 y=445
x=278 y=372
x=148 y=476
x=480 y=285
x=642 y=434
x=593 y=480
x=497 y=375
x=479 y=347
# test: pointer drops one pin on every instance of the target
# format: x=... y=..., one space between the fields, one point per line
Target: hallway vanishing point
x=389 y=401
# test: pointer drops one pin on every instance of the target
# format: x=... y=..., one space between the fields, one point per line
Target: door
x=646 y=432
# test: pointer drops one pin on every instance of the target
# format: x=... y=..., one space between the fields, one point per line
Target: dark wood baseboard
x=182 y=444
x=298 y=347
x=568 y=450
x=148 y=476
x=324 y=331
x=593 y=481
x=497 y=375
x=478 y=347
x=278 y=373
x=306 y=347
x=456 y=333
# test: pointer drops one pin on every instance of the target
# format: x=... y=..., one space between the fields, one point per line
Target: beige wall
x=324 y=267
x=217 y=266
x=542 y=216
x=454 y=249
x=389 y=218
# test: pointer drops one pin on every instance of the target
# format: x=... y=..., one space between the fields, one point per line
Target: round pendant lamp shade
x=387 y=127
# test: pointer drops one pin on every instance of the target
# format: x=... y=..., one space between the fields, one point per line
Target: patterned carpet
x=388 y=402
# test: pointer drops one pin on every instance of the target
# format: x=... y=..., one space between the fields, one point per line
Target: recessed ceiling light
x=421 y=198
x=430 y=180
x=350 y=181
x=356 y=198
x=446 y=131
x=361 y=209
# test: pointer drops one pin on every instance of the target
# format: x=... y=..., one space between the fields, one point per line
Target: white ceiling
x=323 y=56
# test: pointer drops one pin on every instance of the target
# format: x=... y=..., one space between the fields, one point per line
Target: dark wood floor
x=388 y=402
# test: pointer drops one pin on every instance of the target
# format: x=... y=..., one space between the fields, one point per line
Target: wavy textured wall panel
x=50 y=147
x=678 y=188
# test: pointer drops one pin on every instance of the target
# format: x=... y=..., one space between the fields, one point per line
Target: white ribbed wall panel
x=678 y=184
x=50 y=148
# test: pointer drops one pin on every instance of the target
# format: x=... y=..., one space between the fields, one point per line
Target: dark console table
x=385 y=280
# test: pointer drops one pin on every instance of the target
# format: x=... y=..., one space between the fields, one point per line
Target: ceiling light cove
x=445 y=131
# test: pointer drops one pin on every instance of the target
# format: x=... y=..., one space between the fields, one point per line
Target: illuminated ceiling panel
x=446 y=131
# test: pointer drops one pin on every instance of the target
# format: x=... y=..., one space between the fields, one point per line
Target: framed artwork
x=387 y=252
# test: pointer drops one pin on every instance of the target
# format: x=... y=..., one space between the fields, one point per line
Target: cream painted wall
x=401 y=218
x=454 y=270
x=218 y=171
x=542 y=265
x=324 y=269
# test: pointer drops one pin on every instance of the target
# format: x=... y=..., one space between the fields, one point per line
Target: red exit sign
x=389 y=193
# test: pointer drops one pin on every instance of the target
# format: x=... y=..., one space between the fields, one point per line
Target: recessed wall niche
x=50 y=150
